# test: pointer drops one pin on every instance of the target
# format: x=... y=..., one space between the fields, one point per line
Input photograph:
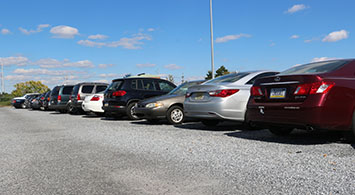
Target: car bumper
x=221 y=110
x=293 y=115
x=92 y=107
x=150 y=113
x=114 y=109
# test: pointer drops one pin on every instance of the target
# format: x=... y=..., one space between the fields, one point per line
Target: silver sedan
x=223 y=98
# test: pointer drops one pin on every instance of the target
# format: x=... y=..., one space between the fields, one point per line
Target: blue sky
x=99 y=40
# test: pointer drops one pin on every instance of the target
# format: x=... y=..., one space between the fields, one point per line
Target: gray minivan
x=59 y=101
x=80 y=91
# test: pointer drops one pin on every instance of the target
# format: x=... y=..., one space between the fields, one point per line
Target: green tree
x=219 y=72
x=29 y=87
x=170 y=78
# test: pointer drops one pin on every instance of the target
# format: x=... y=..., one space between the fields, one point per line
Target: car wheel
x=130 y=111
x=279 y=131
x=175 y=115
x=72 y=110
x=350 y=135
x=210 y=123
x=23 y=106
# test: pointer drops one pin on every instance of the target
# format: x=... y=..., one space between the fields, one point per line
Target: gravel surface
x=52 y=153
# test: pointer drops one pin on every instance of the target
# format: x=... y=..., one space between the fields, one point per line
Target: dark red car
x=319 y=95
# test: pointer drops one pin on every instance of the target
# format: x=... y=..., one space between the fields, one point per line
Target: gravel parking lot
x=52 y=153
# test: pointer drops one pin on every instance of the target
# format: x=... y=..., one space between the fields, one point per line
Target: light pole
x=211 y=29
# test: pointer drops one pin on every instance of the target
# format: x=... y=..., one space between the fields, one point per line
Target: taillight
x=14 y=101
x=78 y=97
x=42 y=98
x=95 y=98
x=188 y=95
x=59 y=98
x=48 y=98
x=256 y=91
x=223 y=92
x=314 y=88
x=119 y=93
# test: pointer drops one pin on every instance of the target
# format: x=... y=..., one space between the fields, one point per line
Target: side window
x=134 y=84
x=251 y=81
x=100 y=88
x=87 y=88
x=148 y=84
x=137 y=84
x=165 y=86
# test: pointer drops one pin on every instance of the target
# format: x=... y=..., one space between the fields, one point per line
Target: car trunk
x=200 y=93
x=284 y=88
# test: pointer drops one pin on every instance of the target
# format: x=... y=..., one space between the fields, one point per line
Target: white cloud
x=41 y=71
x=105 y=65
x=111 y=75
x=311 y=40
x=65 y=32
x=18 y=61
x=98 y=36
x=294 y=37
x=20 y=77
x=39 y=29
x=194 y=78
x=231 y=37
x=102 y=81
x=296 y=8
x=172 y=67
x=322 y=59
x=54 y=63
x=5 y=31
x=145 y=65
x=150 y=29
x=336 y=36
x=129 y=43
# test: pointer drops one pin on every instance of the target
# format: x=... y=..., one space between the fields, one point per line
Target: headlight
x=154 y=105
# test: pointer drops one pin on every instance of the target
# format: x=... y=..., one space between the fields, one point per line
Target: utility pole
x=211 y=29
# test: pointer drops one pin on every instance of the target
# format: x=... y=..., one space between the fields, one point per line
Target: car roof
x=93 y=83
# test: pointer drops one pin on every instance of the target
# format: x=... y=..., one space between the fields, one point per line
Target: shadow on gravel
x=225 y=126
x=297 y=137
x=145 y=122
x=115 y=119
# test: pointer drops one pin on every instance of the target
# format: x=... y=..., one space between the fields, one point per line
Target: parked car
x=60 y=101
x=45 y=101
x=313 y=96
x=169 y=106
x=80 y=91
x=19 y=102
x=122 y=94
x=223 y=98
x=35 y=102
x=53 y=97
x=93 y=103
x=29 y=99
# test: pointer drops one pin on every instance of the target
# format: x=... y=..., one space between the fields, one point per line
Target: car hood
x=161 y=98
x=19 y=98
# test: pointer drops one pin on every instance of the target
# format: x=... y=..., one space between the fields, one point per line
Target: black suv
x=122 y=94
x=80 y=91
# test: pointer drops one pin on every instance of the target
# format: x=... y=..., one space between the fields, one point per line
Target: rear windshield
x=55 y=91
x=100 y=88
x=87 y=88
x=318 y=67
x=115 y=85
x=67 y=90
x=229 y=78
x=181 y=89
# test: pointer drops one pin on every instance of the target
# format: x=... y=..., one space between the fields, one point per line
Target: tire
x=72 y=110
x=350 y=135
x=130 y=113
x=23 y=105
x=210 y=123
x=279 y=131
x=175 y=115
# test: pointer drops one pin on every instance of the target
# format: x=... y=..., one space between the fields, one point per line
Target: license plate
x=199 y=96
x=278 y=93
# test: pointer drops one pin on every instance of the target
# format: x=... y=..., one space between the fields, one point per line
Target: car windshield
x=229 y=78
x=318 y=67
x=181 y=89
